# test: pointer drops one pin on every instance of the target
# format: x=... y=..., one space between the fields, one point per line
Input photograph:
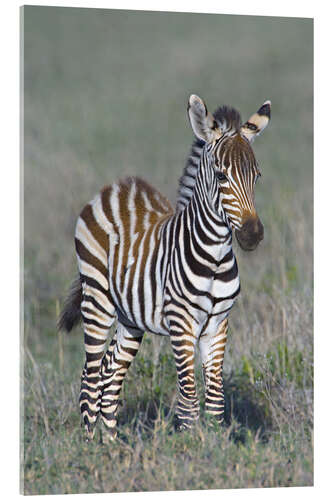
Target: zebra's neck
x=204 y=215
x=199 y=180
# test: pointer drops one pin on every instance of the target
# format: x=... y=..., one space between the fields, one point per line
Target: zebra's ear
x=202 y=121
x=257 y=122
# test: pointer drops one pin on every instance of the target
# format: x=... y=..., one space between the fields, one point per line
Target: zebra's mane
x=229 y=120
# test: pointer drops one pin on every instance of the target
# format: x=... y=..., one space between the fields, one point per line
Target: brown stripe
x=88 y=257
x=98 y=233
x=143 y=186
x=124 y=215
x=105 y=197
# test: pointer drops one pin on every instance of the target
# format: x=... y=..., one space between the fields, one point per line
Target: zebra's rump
x=118 y=247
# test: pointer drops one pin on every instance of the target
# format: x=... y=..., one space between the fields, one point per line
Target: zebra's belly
x=142 y=312
x=143 y=308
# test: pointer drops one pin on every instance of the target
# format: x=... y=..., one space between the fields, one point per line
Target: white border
x=323 y=249
x=242 y=7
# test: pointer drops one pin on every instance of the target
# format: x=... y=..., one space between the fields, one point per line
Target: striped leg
x=212 y=354
x=188 y=404
x=116 y=362
x=98 y=315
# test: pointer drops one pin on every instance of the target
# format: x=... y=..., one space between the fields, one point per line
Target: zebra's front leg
x=117 y=360
x=183 y=345
x=212 y=353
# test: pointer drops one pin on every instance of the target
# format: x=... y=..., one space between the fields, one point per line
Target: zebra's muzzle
x=251 y=233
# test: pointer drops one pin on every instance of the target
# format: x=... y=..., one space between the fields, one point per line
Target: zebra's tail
x=71 y=311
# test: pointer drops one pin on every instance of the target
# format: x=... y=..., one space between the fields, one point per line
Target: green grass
x=105 y=95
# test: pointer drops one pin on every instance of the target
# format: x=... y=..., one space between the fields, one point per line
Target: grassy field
x=105 y=96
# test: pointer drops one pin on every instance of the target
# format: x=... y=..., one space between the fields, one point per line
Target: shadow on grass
x=245 y=406
x=148 y=410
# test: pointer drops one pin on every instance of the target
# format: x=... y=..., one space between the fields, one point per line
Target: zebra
x=166 y=271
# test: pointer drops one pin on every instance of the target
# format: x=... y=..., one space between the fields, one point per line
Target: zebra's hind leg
x=98 y=314
x=212 y=353
x=123 y=348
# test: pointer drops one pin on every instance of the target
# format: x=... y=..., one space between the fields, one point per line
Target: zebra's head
x=232 y=166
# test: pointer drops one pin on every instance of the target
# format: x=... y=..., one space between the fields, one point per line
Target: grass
x=105 y=95
x=266 y=439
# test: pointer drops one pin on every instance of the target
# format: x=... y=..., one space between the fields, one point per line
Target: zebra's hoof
x=214 y=421
x=109 y=435
x=89 y=427
x=183 y=424
x=110 y=425
x=89 y=435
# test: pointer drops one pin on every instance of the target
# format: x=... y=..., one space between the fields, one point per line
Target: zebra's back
x=120 y=250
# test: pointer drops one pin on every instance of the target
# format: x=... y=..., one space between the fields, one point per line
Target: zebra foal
x=165 y=271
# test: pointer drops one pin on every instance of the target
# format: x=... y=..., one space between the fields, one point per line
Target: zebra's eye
x=221 y=177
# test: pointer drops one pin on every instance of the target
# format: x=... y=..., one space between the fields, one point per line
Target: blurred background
x=105 y=95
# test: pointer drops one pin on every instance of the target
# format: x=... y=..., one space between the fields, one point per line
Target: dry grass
x=96 y=109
